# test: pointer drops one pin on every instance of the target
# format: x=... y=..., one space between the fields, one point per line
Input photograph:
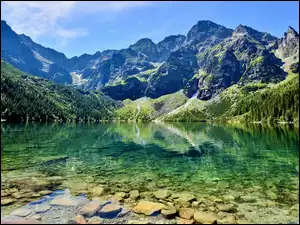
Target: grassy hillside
x=27 y=97
x=148 y=108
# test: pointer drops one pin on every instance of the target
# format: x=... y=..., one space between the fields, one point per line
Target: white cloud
x=38 y=19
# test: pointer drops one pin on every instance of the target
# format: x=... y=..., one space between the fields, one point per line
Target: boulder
x=169 y=212
x=110 y=211
x=186 y=213
x=205 y=217
x=90 y=209
x=148 y=208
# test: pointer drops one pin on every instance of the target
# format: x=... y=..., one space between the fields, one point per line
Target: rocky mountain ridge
x=209 y=59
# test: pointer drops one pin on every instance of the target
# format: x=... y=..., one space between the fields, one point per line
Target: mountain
x=24 y=96
x=206 y=61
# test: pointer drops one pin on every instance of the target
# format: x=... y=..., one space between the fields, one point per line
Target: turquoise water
x=192 y=157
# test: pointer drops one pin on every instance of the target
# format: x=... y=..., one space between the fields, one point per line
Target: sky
x=78 y=27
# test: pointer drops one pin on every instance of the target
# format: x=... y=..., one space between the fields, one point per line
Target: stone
x=97 y=191
x=169 y=212
x=221 y=214
x=195 y=204
x=124 y=212
x=212 y=208
x=110 y=211
x=294 y=210
x=271 y=195
x=205 y=217
x=148 y=208
x=12 y=190
x=162 y=194
x=35 y=195
x=184 y=204
x=248 y=198
x=90 y=209
x=17 y=195
x=134 y=194
x=184 y=197
x=227 y=220
x=218 y=200
x=208 y=202
x=79 y=219
x=45 y=192
x=21 y=212
x=40 y=208
x=7 y=201
x=226 y=207
x=186 y=213
x=120 y=196
x=95 y=220
x=184 y=221
x=4 y=193
x=228 y=198
x=63 y=201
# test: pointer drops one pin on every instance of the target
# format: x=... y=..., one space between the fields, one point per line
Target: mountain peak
x=292 y=31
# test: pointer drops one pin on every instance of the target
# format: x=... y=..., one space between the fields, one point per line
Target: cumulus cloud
x=43 y=18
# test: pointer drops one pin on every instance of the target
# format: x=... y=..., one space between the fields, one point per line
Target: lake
x=207 y=160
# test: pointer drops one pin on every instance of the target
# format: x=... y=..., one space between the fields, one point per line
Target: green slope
x=24 y=96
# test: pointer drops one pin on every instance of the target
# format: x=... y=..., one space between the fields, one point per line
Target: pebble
x=248 y=198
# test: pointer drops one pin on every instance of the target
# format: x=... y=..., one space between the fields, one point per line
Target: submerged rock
x=21 y=212
x=110 y=211
x=205 y=217
x=95 y=220
x=90 y=209
x=41 y=208
x=148 y=208
x=79 y=219
x=169 y=212
x=186 y=213
x=7 y=201
x=162 y=194
x=134 y=194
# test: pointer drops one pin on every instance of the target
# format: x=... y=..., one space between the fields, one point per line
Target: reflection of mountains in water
x=170 y=138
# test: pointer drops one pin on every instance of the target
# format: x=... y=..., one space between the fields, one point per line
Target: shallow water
x=198 y=158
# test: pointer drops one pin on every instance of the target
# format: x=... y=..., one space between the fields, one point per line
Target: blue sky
x=75 y=28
